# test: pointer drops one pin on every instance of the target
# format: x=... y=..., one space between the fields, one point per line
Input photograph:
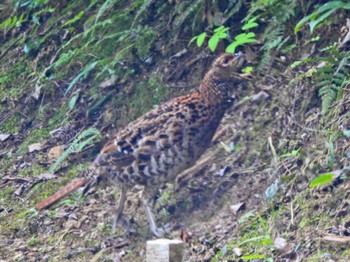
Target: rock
x=164 y=250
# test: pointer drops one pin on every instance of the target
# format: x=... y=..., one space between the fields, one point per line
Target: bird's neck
x=214 y=91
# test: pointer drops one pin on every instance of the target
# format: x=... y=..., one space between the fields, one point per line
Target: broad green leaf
x=201 y=38
x=219 y=29
x=221 y=35
x=322 y=179
x=248 y=69
x=192 y=39
x=244 y=41
x=231 y=48
x=252 y=19
x=249 y=26
x=244 y=36
x=213 y=43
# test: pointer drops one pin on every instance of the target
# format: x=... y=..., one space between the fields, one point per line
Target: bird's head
x=227 y=66
x=224 y=74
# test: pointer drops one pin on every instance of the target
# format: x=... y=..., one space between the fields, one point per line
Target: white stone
x=164 y=250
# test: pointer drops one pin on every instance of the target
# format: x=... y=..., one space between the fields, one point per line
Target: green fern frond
x=274 y=36
x=86 y=138
x=332 y=78
x=188 y=13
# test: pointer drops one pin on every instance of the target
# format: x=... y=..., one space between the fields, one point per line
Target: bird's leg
x=119 y=214
x=147 y=200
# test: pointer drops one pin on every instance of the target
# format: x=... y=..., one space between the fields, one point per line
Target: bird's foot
x=161 y=232
x=123 y=221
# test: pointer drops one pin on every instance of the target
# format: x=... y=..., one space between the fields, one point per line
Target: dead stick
x=62 y=193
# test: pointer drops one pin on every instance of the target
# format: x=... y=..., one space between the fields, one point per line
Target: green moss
x=32 y=171
x=15 y=80
x=147 y=95
x=144 y=42
x=59 y=118
x=11 y=125
x=35 y=136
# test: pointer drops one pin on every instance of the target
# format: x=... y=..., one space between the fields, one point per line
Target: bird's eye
x=226 y=60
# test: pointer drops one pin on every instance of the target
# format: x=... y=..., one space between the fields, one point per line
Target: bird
x=155 y=148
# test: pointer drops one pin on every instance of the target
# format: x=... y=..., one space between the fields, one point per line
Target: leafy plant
x=219 y=33
x=222 y=33
x=321 y=14
x=86 y=138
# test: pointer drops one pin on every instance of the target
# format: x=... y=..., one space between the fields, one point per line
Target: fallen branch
x=62 y=193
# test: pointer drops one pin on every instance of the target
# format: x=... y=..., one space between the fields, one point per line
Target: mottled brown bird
x=161 y=144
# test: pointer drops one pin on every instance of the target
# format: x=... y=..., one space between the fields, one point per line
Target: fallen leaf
x=55 y=152
x=4 y=137
x=109 y=81
x=34 y=147
x=46 y=176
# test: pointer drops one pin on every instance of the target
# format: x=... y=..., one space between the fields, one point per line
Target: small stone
x=261 y=96
x=282 y=246
x=237 y=251
x=238 y=207
x=280 y=243
x=34 y=147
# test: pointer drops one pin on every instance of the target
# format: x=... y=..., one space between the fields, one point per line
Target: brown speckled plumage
x=165 y=141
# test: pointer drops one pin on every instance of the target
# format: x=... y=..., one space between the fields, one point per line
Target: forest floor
x=249 y=196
